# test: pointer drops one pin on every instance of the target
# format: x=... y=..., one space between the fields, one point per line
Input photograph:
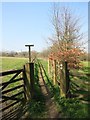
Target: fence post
x=32 y=79
x=67 y=90
x=29 y=80
x=64 y=80
x=55 y=73
x=26 y=94
x=48 y=66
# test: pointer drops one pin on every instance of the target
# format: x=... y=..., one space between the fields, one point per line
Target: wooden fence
x=17 y=89
x=82 y=77
x=60 y=75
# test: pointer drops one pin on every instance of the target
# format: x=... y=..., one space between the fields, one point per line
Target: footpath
x=52 y=111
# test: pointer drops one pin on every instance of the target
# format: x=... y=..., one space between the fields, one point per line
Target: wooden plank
x=12 y=97
x=12 y=112
x=9 y=90
x=8 y=82
x=72 y=82
x=5 y=84
x=78 y=74
x=58 y=82
x=6 y=98
x=16 y=80
x=10 y=72
x=11 y=78
x=24 y=80
x=2 y=110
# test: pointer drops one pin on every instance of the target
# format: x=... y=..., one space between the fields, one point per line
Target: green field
x=70 y=107
x=11 y=63
x=86 y=64
x=35 y=107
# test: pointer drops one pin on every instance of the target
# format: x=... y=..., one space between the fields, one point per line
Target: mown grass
x=11 y=63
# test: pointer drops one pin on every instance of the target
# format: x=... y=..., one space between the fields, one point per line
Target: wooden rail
x=79 y=74
x=10 y=72
x=58 y=82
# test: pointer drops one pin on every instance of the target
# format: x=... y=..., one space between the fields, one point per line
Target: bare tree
x=67 y=35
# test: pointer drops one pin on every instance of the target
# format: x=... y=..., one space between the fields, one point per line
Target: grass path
x=52 y=111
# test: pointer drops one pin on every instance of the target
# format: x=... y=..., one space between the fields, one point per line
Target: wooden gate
x=16 y=90
x=12 y=92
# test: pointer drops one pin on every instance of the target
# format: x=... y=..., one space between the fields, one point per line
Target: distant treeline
x=43 y=54
x=24 y=54
x=14 y=54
